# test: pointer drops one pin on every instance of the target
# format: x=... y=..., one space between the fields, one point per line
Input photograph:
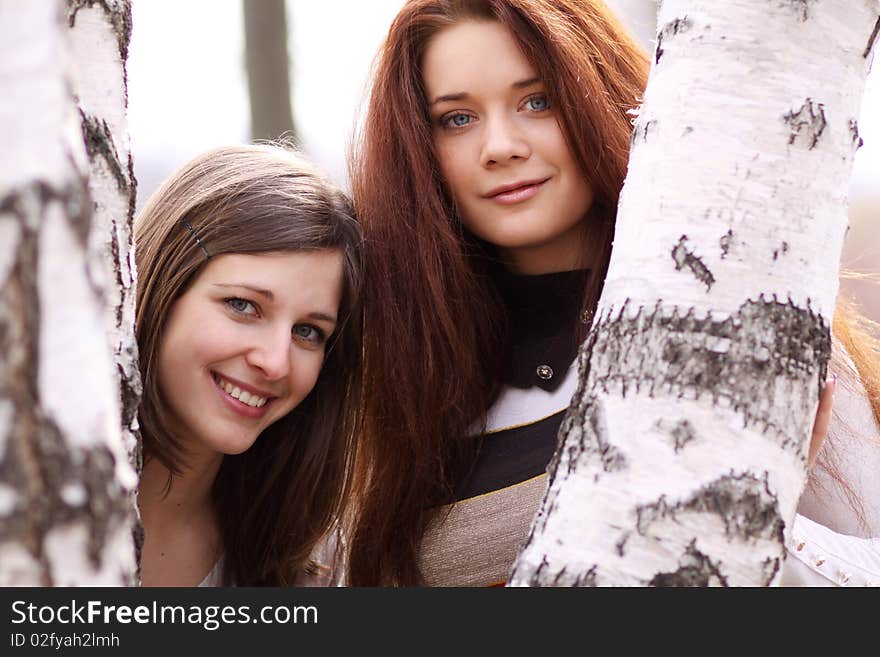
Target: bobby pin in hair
x=196 y=236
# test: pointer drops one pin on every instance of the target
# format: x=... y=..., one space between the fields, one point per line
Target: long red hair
x=433 y=325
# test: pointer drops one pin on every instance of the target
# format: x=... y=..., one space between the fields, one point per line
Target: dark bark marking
x=21 y=466
x=542 y=576
x=683 y=433
x=872 y=39
x=48 y=465
x=744 y=503
x=800 y=7
x=725 y=241
x=132 y=204
x=783 y=249
x=807 y=124
x=130 y=394
x=857 y=141
x=120 y=17
x=99 y=143
x=695 y=569
x=537 y=577
x=592 y=441
x=683 y=257
x=73 y=197
x=770 y=567
x=586 y=579
x=677 y=353
x=740 y=359
x=114 y=253
x=641 y=130
x=676 y=26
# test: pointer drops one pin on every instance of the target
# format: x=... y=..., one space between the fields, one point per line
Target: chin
x=522 y=243
x=235 y=446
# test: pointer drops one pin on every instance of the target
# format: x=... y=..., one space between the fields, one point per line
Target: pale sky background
x=188 y=93
x=187 y=86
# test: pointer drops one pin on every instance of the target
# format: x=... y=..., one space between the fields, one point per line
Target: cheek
x=558 y=149
x=578 y=192
x=582 y=195
x=453 y=165
x=305 y=374
x=219 y=341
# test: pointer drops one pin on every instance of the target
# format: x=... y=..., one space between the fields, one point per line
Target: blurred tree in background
x=268 y=69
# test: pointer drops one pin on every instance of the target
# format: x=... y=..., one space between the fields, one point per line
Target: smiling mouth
x=245 y=397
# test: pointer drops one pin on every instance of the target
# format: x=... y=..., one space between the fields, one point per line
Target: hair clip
x=196 y=236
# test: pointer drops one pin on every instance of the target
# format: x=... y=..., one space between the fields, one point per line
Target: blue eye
x=240 y=306
x=309 y=333
x=456 y=120
x=538 y=103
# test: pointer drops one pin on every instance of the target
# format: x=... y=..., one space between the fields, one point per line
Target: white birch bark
x=66 y=477
x=99 y=36
x=683 y=454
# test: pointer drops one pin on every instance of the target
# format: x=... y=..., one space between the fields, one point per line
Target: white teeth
x=242 y=395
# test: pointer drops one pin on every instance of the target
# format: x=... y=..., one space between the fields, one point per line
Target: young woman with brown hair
x=248 y=325
x=486 y=177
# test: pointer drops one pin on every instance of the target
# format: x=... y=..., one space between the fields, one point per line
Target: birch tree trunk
x=683 y=455
x=67 y=479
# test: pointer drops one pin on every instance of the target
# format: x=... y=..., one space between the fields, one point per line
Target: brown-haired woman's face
x=501 y=150
x=245 y=344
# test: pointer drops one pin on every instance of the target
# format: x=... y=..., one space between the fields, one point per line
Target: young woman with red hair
x=486 y=177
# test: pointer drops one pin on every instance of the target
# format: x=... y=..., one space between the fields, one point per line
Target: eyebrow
x=269 y=296
x=322 y=316
x=520 y=84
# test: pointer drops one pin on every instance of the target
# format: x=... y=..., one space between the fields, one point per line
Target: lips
x=240 y=397
x=244 y=386
x=516 y=192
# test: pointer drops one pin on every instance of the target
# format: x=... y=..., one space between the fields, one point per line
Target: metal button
x=544 y=372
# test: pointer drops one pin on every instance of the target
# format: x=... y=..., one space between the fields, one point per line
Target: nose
x=503 y=141
x=271 y=354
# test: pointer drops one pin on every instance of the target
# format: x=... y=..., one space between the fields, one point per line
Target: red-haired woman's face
x=501 y=150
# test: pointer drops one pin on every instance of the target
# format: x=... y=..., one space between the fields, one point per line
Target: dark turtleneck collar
x=544 y=313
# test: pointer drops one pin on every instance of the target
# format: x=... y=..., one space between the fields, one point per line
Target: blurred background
x=203 y=73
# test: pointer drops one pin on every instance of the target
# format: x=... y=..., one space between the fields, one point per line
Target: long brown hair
x=433 y=325
x=275 y=500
